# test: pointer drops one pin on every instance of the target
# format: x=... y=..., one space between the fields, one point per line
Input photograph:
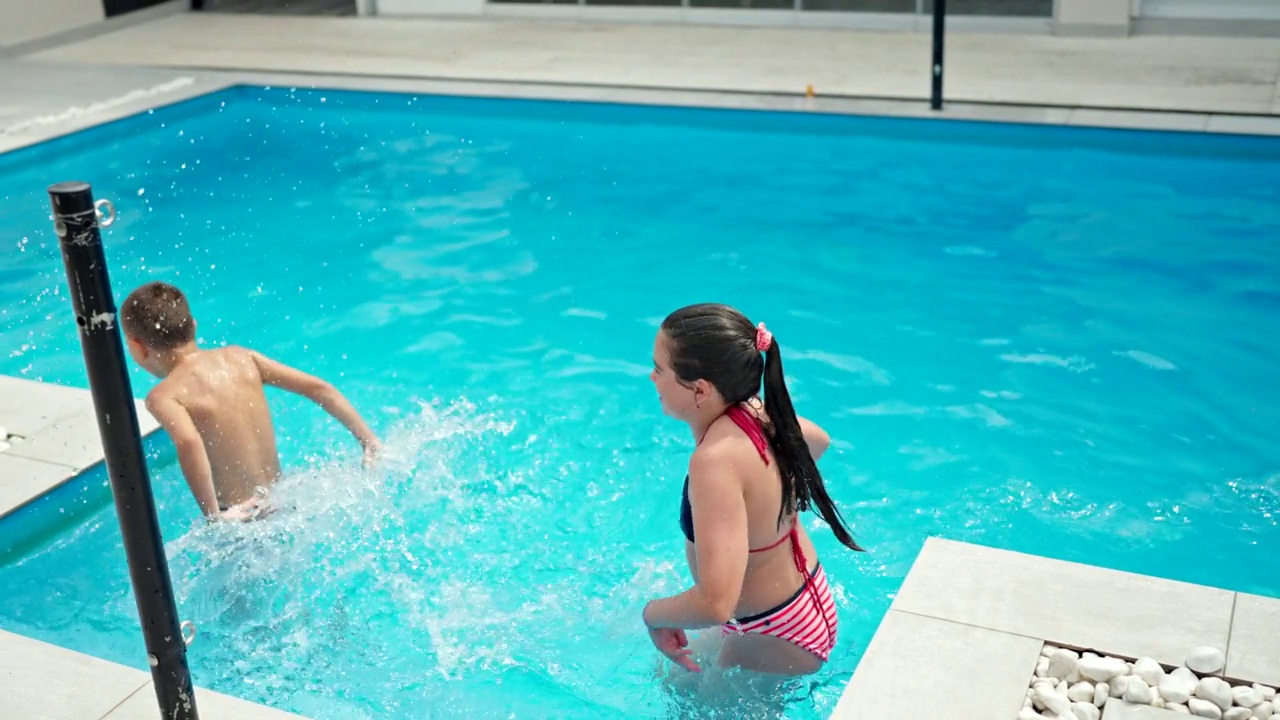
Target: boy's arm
x=318 y=391
x=191 y=453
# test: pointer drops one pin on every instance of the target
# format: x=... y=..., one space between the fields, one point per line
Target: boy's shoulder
x=164 y=390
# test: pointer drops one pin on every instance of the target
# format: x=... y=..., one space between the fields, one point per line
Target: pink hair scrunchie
x=764 y=338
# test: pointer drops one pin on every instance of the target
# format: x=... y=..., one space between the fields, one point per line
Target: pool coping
x=58 y=440
x=185 y=84
x=968 y=624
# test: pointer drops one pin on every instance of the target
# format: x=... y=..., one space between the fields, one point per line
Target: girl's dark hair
x=718 y=344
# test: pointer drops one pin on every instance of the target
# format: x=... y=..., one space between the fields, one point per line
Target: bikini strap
x=789 y=536
x=751 y=426
x=802 y=564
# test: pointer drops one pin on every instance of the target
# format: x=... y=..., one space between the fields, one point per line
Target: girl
x=755 y=570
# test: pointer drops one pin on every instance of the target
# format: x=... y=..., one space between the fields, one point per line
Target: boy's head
x=156 y=319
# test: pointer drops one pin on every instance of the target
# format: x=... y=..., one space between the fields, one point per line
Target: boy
x=213 y=405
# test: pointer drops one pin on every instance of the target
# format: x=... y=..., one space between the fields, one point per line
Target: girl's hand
x=674 y=643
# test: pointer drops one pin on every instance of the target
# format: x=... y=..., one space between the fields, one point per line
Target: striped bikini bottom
x=807 y=619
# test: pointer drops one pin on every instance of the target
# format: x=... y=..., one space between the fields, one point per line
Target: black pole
x=939 y=31
x=75 y=220
x=197 y=4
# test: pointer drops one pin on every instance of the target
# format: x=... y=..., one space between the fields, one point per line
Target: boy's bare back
x=213 y=406
x=221 y=392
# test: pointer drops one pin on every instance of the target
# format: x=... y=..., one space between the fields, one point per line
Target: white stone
x=1101 y=692
x=1268 y=693
x=1247 y=696
x=1074 y=676
x=1137 y=691
x=1206 y=660
x=1175 y=689
x=1101 y=669
x=3 y=433
x=1053 y=702
x=1048 y=650
x=1029 y=714
x=1061 y=688
x=1237 y=713
x=1080 y=692
x=1086 y=711
x=1158 y=702
x=4 y=446
x=1045 y=685
x=1187 y=677
x=1204 y=708
x=1118 y=686
x=1149 y=670
x=1178 y=708
x=1264 y=711
x=1216 y=691
x=1062 y=663
x=1042 y=667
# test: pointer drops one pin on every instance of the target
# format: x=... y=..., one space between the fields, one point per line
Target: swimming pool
x=1054 y=340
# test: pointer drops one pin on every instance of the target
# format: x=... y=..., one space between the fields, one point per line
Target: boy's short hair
x=157 y=315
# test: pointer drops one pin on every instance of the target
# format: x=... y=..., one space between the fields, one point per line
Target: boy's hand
x=371 y=451
x=248 y=510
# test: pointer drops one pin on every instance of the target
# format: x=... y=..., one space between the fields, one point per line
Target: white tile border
x=985 y=597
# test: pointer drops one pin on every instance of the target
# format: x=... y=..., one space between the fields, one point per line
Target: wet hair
x=717 y=343
x=157 y=315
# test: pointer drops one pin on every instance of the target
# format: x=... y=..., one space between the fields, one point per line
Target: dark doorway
x=120 y=7
x=283 y=7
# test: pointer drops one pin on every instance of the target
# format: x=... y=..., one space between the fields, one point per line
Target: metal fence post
x=75 y=219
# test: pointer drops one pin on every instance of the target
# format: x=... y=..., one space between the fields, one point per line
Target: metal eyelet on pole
x=106 y=212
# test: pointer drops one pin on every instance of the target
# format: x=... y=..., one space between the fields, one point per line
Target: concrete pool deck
x=955 y=627
x=1164 y=83
x=1184 y=74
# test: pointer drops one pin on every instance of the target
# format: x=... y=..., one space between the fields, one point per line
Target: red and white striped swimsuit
x=807 y=619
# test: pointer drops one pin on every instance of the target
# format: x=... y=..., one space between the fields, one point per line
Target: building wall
x=1092 y=17
x=23 y=20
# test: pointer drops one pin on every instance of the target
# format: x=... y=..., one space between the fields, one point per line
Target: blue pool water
x=1059 y=341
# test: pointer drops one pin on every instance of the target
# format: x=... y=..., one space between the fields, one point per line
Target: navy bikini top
x=751 y=426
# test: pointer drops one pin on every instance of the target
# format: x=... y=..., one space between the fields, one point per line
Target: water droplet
x=141 y=191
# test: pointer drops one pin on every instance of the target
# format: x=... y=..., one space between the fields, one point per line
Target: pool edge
x=968 y=624
x=95 y=689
